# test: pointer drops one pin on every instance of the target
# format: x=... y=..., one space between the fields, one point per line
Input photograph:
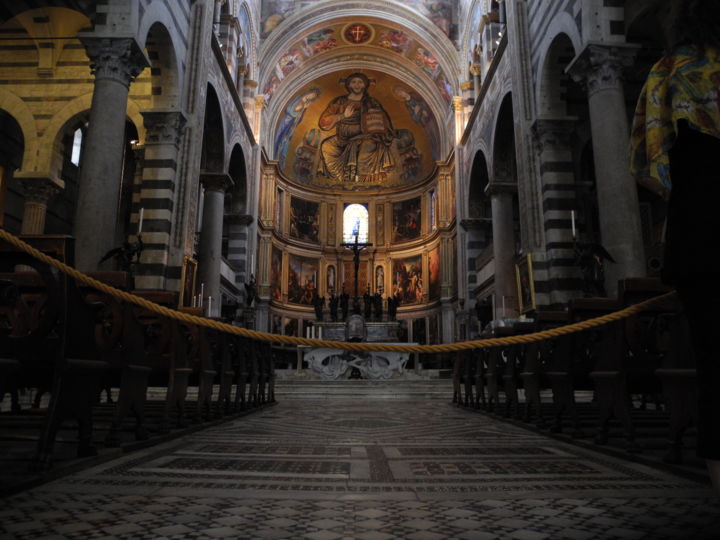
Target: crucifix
x=356 y=247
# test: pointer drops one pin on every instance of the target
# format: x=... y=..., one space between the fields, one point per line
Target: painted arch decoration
x=356 y=130
x=385 y=39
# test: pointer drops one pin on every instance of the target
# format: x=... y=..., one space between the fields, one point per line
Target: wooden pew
x=609 y=371
x=59 y=349
x=659 y=340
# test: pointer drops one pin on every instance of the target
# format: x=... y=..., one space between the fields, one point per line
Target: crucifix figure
x=356 y=247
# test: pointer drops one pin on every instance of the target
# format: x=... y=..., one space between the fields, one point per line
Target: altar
x=334 y=364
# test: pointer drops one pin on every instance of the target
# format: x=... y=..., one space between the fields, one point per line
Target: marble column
x=38 y=192
x=210 y=249
x=476 y=71
x=554 y=137
x=600 y=68
x=114 y=62
x=159 y=188
x=501 y=201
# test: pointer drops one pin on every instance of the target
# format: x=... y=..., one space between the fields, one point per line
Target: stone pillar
x=468 y=94
x=259 y=106
x=554 y=137
x=38 y=192
x=600 y=67
x=457 y=103
x=476 y=71
x=115 y=62
x=163 y=132
x=210 y=249
x=501 y=200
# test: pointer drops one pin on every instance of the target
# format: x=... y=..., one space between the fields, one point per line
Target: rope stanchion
x=288 y=340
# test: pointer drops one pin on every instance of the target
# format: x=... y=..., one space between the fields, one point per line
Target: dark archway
x=12 y=146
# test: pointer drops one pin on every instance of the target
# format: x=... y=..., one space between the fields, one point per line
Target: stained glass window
x=355 y=223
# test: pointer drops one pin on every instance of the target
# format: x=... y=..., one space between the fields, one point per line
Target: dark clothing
x=692 y=267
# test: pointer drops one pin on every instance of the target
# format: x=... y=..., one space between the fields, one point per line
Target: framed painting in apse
x=407 y=280
x=302 y=279
x=406 y=220
x=276 y=274
x=305 y=220
x=187 y=278
x=434 y=273
x=525 y=284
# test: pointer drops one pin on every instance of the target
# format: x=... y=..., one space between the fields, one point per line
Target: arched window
x=355 y=223
x=76 y=147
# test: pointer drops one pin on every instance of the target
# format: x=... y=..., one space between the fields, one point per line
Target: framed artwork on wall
x=525 y=284
x=187 y=279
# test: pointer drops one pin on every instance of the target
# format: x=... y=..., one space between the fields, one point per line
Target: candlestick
x=572 y=221
x=209 y=306
x=140 y=221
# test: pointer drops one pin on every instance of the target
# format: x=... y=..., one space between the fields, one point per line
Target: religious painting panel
x=276 y=274
x=434 y=273
x=355 y=130
x=302 y=279
x=321 y=41
x=407 y=280
x=349 y=278
x=305 y=220
x=406 y=220
x=525 y=284
x=187 y=278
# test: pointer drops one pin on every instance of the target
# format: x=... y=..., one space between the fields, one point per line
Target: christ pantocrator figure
x=360 y=150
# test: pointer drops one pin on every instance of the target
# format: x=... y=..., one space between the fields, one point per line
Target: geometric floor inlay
x=372 y=470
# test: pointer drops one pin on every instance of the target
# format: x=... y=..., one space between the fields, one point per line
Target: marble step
x=370 y=389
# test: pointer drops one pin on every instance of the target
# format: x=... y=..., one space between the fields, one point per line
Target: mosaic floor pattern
x=370 y=470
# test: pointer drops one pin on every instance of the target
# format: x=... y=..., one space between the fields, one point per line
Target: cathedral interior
x=453 y=170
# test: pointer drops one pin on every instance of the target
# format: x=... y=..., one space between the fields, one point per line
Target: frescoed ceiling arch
x=384 y=29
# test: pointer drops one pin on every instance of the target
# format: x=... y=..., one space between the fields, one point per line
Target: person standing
x=675 y=142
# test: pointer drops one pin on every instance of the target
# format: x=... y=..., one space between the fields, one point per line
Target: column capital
x=219 y=182
x=114 y=58
x=163 y=127
x=476 y=69
x=599 y=66
x=40 y=189
x=457 y=102
x=498 y=188
x=554 y=133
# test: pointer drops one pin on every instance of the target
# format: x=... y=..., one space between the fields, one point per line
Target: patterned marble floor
x=370 y=470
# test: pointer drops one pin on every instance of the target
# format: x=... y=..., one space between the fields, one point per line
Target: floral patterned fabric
x=681 y=86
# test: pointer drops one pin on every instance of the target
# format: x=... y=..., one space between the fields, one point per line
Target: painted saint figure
x=360 y=150
x=294 y=113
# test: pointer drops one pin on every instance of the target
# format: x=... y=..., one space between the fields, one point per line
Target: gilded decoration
x=357 y=131
x=276 y=274
x=434 y=273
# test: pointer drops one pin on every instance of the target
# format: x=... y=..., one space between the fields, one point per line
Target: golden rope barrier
x=288 y=340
